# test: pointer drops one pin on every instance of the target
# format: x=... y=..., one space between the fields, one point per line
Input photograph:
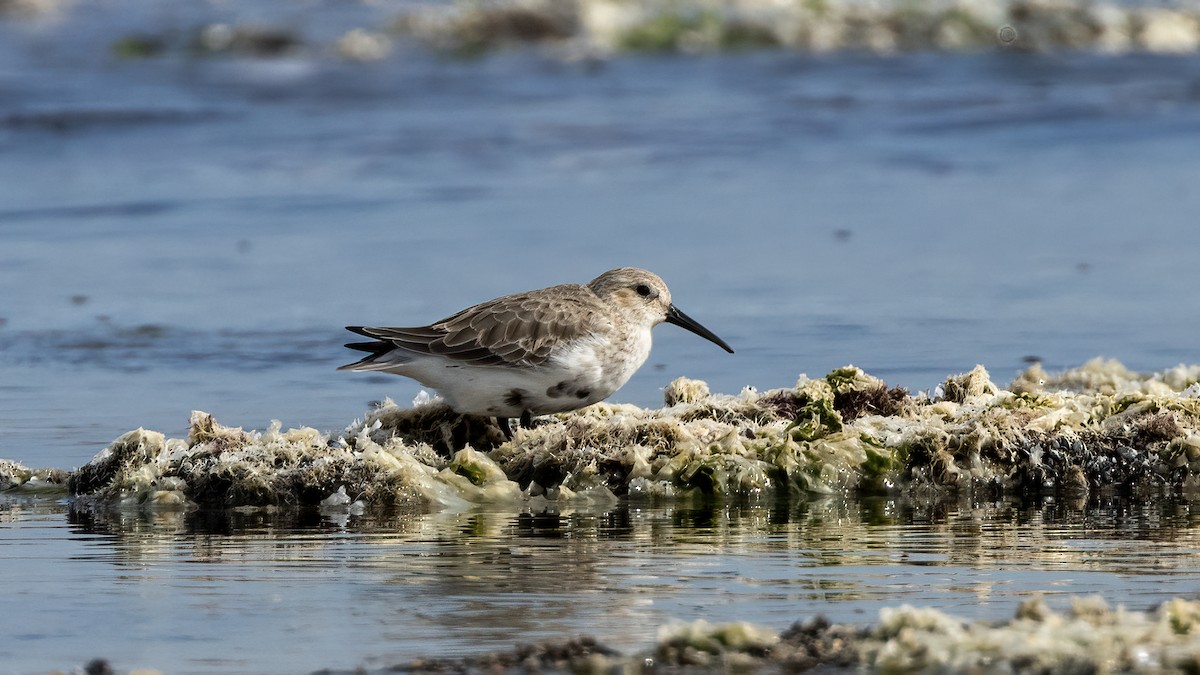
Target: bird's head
x=645 y=298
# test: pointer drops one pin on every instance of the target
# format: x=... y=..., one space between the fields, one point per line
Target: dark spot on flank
x=583 y=393
x=559 y=390
x=515 y=398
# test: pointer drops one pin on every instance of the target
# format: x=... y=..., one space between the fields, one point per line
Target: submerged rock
x=1098 y=429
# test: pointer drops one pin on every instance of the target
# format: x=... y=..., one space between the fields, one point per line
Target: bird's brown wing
x=521 y=329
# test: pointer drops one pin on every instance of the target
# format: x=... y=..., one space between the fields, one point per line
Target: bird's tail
x=367 y=362
x=376 y=350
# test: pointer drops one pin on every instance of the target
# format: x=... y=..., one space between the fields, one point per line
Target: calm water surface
x=183 y=233
x=245 y=593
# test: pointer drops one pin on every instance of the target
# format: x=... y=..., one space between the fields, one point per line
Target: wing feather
x=521 y=329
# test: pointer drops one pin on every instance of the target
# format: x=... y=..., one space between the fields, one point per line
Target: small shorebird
x=551 y=350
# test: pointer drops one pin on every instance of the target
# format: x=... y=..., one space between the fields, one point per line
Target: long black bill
x=684 y=321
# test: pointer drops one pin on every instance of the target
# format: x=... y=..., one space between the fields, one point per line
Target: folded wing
x=516 y=330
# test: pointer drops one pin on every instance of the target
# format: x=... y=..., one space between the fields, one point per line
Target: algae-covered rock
x=684 y=390
x=1088 y=638
x=890 y=27
x=471 y=28
x=12 y=474
x=1097 y=429
x=701 y=643
x=20 y=479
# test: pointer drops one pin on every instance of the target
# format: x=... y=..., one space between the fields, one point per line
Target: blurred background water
x=184 y=232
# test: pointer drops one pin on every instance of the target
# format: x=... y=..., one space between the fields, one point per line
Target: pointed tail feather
x=383 y=355
x=377 y=347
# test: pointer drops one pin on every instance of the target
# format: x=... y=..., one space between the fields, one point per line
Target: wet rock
x=1111 y=432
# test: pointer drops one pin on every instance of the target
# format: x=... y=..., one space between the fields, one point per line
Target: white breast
x=602 y=366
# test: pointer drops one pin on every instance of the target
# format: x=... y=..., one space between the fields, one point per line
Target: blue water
x=183 y=233
x=201 y=242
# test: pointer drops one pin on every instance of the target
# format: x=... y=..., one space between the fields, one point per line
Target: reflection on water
x=190 y=592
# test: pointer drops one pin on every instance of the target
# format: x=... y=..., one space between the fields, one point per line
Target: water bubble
x=1006 y=34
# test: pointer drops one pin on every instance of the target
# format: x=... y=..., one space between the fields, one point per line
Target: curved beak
x=684 y=321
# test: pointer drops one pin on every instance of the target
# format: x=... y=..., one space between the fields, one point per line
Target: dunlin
x=551 y=350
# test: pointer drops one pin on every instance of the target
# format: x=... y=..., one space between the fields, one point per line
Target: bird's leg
x=526 y=419
x=502 y=422
x=455 y=437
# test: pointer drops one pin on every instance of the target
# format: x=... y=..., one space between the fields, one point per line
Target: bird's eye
x=643 y=290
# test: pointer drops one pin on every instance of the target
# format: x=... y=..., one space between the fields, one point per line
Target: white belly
x=587 y=372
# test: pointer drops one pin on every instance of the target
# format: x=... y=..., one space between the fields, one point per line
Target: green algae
x=816 y=418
